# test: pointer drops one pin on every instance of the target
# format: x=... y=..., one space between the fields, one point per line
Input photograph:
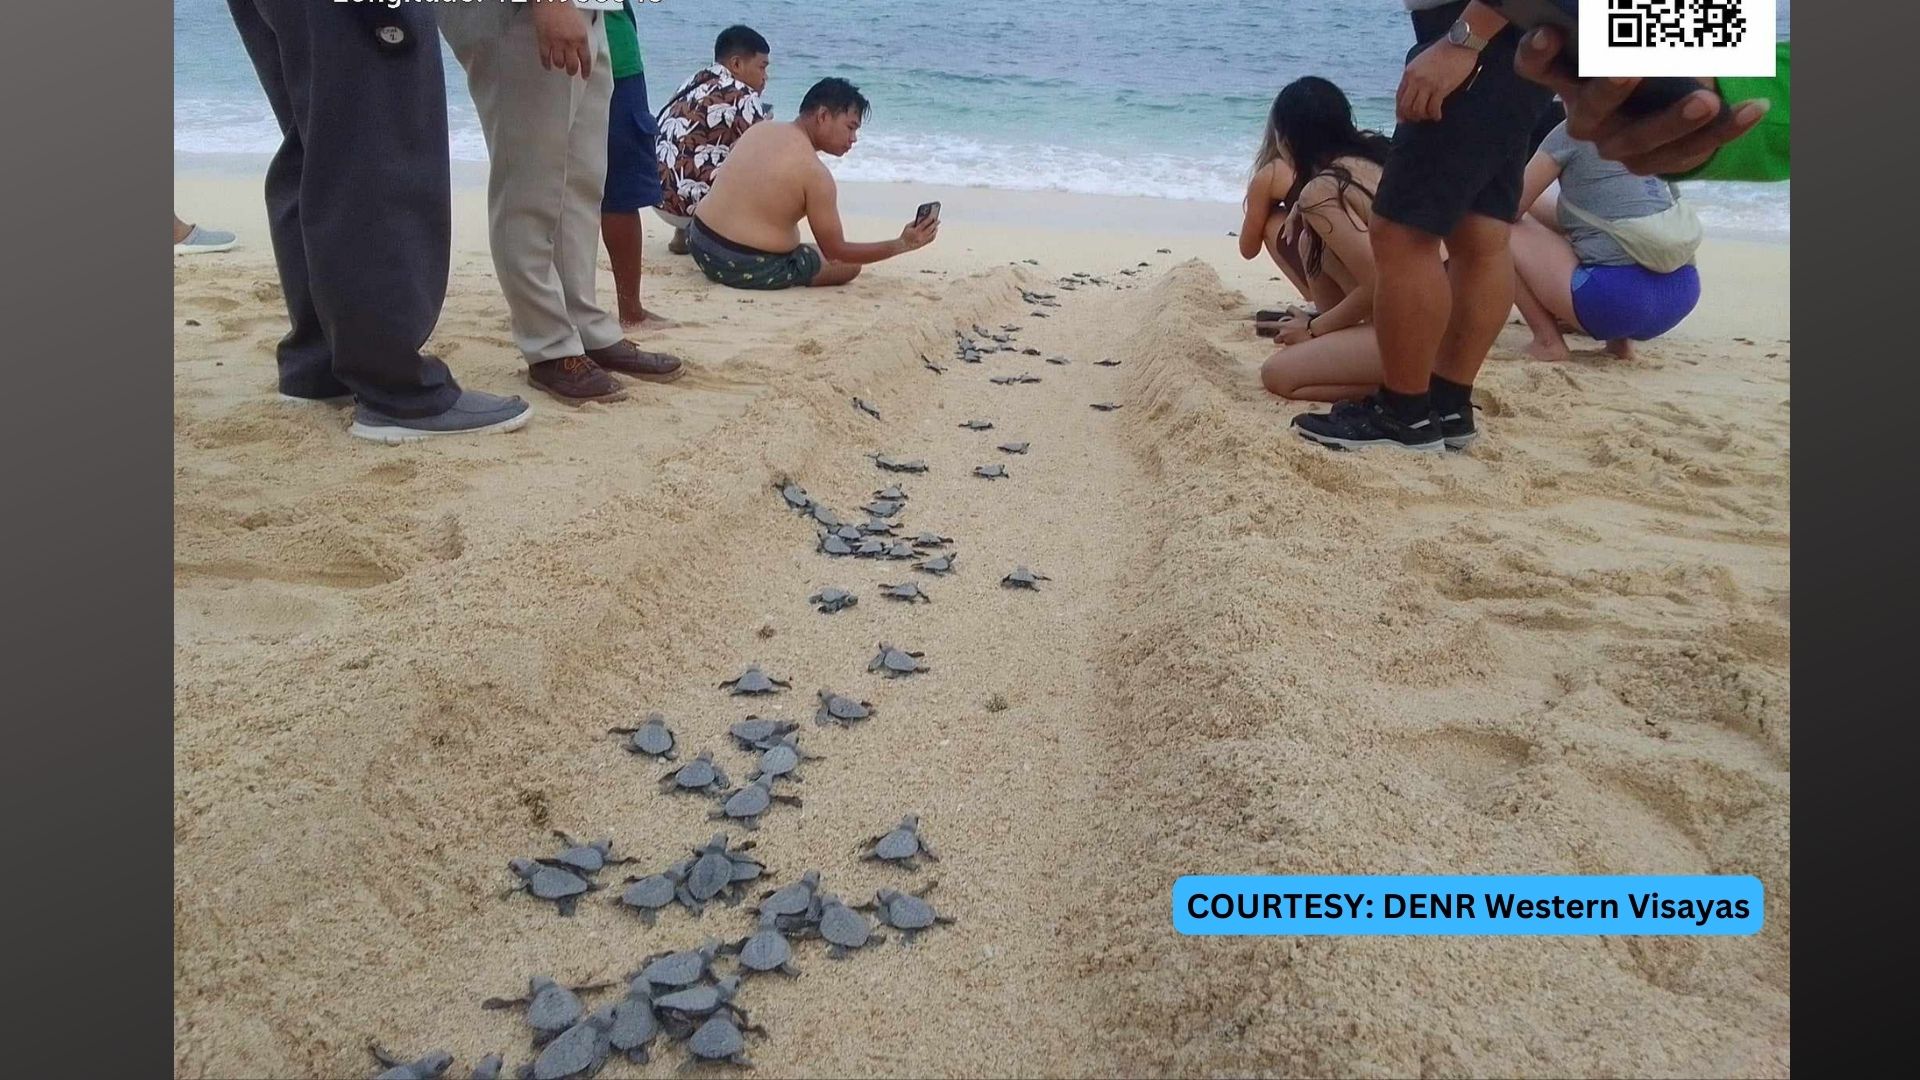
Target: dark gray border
x=89 y=509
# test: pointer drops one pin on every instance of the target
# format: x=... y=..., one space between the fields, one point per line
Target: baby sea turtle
x=1004 y=380
x=870 y=548
x=766 y=950
x=840 y=710
x=796 y=496
x=1014 y=447
x=877 y=526
x=746 y=804
x=831 y=600
x=426 y=1067
x=1109 y=362
x=832 y=544
x=1029 y=352
x=992 y=472
x=978 y=425
x=908 y=913
x=717 y=869
x=902 y=845
x=676 y=970
x=562 y=886
x=884 y=508
x=489 y=1067
x=865 y=407
x=653 y=738
x=852 y=534
x=584 y=858
x=650 y=895
x=551 y=1008
x=844 y=928
x=634 y=1026
x=938 y=567
x=580 y=1051
x=781 y=759
x=793 y=901
x=825 y=516
x=700 y=774
x=909 y=592
x=1058 y=361
x=893 y=493
x=895 y=663
x=931 y=540
x=931 y=366
x=754 y=733
x=1023 y=578
x=1106 y=406
x=755 y=681
x=899 y=465
x=681 y=1011
x=1042 y=314
x=719 y=1039
x=900 y=552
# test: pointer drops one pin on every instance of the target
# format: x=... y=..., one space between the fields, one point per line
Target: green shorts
x=738 y=266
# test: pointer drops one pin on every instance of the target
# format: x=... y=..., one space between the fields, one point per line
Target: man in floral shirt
x=699 y=124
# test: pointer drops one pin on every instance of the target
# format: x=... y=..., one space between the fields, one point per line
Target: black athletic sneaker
x=1353 y=426
x=1457 y=427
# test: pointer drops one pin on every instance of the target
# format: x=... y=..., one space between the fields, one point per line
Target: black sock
x=1449 y=396
x=1407 y=408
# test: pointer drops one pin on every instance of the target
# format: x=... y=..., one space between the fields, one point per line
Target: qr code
x=1689 y=24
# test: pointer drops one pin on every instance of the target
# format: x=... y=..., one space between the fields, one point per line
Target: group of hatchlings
x=682 y=996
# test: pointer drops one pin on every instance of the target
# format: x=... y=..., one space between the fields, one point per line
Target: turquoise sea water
x=1161 y=99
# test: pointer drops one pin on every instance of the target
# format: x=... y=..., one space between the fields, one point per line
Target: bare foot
x=1553 y=351
x=1623 y=349
x=678 y=245
x=645 y=320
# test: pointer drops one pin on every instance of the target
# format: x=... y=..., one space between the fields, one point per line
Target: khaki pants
x=546 y=137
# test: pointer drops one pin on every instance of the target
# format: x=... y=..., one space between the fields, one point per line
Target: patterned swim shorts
x=738 y=266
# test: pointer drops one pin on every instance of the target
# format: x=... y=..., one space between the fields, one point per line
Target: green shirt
x=623 y=41
x=1766 y=152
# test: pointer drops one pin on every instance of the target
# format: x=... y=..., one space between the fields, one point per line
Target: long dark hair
x=1314 y=120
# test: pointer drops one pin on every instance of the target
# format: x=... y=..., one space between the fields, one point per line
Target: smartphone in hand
x=927 y=212
x=1653 y=95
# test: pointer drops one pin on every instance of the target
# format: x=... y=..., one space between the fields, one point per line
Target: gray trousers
x=358 y=200
x=547 y=148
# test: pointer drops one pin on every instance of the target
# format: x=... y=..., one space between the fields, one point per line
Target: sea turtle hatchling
x=895 y=663
x=825 y=516
x=900 y=552
x=719 y=1039
x=551 y=1008
x=1014 y=447
x=978 y=425
x=877 y=526
x=1108 y=362
x=426 y=1067
x=1106 y=406
x=871 y=548
x=909 y=592
x=559 y=885
x=584 y=858
x=899 y=465
x=830 y=601
x=852 y=534
x=650 y=895
x=840 y=711
x=700 y=775
x=892 y=493
x=834 y=544
x=796 y=496
x=634 y=1026
x=1029 y=352
x=844 y=929
x=791 y=902
x=1058 y=361
x=767 y=949
x=683 y=1010
x=931 y=540
x=901 y=845
x=489 y=1067
x=717 y=871
x=992 y=472
x=866 y=407
x=908 y=913
x=939 y=567
x=675 y=970
x=753 y=733
x=745 y=805
x=884 y=508
x=931 y=366
x=1023 y=578
x=580 y=1051
x=653 y=738
x=755 y=681
x=782 y=759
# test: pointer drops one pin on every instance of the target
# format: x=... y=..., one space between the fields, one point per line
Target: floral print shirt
x=698 y=128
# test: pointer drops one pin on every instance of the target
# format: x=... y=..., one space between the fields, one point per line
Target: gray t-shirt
x=1605 y=189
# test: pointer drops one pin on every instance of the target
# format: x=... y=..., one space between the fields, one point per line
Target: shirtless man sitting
x=746 y=231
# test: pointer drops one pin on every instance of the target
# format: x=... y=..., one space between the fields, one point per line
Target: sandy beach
x=1565 y=651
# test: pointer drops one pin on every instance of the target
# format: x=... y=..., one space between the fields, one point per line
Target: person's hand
x=1432 y=76
x=560 y=33
x=914 y=237
x=1293 y=329
x=1676 y=140
x=1290 y=229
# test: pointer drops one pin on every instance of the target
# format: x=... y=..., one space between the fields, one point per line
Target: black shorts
x=1473 y=160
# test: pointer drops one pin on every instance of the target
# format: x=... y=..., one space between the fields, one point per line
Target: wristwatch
x=1462 y=35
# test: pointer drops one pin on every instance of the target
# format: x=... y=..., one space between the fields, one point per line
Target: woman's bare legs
x=1285 y=256
x=1543 y=267
x=1341 y=366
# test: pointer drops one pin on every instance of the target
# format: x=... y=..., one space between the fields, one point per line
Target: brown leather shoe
x=626 y=358
x=575 y=380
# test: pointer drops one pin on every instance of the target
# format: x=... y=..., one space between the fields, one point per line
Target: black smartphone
x=1653 y=95
x=926 y=213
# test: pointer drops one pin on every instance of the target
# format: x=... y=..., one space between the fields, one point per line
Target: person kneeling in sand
x=1321 y=170
x=745 y=233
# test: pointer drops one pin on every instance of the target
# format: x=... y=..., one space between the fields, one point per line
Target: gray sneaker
x=474 y=413
x=201 y=241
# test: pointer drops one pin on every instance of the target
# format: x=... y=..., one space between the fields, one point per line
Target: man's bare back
x=759 y=195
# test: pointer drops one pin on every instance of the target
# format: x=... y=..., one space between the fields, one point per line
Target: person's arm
x=1442 y=67
x=1679 y=142
x=830 y=236
x=1542 y=171
x=1323 y=209
x=1260 y=201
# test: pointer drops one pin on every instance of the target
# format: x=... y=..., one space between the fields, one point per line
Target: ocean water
x=1162 y=99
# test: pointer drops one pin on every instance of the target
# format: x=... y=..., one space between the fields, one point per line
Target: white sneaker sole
x=289 y=399
x=395 y=436
x=204 y=249
x=1434 y=447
